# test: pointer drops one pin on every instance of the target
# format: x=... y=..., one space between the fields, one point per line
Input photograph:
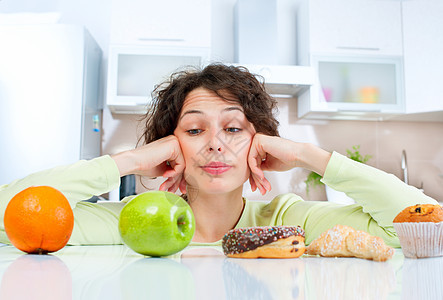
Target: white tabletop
x=116 y=272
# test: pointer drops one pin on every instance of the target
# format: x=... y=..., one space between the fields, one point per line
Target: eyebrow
x=195 y=111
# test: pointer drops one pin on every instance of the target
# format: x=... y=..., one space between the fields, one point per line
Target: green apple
x=156 y=223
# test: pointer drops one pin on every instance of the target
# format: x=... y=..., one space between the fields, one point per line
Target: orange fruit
x=39 y=220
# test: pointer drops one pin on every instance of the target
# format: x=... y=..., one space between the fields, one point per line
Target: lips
x=216 y=168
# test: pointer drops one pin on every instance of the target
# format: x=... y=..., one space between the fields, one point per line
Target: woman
x=208 y=132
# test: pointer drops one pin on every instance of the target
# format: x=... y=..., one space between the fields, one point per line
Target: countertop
x=116 y=272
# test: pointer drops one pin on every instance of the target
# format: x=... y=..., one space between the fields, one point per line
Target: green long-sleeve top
x=379 y=198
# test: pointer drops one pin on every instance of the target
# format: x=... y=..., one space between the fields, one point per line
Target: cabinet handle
x=359 y=111
x=160 y=40
x=358 y=48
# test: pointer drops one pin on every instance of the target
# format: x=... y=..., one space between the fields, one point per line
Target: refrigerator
x=50 y=111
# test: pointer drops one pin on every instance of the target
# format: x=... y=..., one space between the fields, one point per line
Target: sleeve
x=379 y=197
x=78 y=181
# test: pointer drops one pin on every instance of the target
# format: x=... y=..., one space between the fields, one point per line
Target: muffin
x=420 y=230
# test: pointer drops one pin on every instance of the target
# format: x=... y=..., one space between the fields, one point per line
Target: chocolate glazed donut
x=266 y=242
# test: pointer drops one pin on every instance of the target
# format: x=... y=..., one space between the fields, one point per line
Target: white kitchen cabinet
x=355 y=47
x=149 y=41
x=349 y=27
x=354 y=88
x=134 y=71
x=423 y=55
x=161 y=23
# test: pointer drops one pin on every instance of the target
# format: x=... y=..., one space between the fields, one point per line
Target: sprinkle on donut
x=240 y=240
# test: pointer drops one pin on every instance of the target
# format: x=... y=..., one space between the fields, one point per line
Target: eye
x=193 y=131
x=232 y=129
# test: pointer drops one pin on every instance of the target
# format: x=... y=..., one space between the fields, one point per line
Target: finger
x=254 y=165
x=174 y=169
x=163 y=186
x=263 y=184
x=261 y=189
x=170 y=173
x=255 y=158
x=259 y=185
x=267 y=184
x=166 y=184
x=176 y=173
x=182 y=185
x=177 y=160
x=252 y=183
x=174 y=186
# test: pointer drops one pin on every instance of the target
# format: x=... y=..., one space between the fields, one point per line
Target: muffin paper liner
x=417 y=240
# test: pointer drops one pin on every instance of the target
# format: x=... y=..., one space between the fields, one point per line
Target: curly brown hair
x=232 y=83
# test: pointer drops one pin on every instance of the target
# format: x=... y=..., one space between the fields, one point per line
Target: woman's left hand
x=273 y=153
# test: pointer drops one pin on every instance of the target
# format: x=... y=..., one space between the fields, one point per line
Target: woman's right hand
x=162 y=157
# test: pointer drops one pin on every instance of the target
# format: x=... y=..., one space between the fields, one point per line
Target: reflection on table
x=36 y=277
x=116 y=272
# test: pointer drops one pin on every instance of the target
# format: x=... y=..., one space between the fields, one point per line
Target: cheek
x=241 y=152
x=237 y=144
x=191 y=150
x=242 y=144
x=244 y=154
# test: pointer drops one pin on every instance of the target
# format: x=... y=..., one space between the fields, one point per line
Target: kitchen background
x=410 y=30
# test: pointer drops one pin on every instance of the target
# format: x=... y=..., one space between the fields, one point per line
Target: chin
x=220 y=191
x=216 y=185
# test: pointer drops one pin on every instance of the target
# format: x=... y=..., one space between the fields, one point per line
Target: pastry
x=345 y=241
x=420 y=213
x=266 y=242
x=420 y=230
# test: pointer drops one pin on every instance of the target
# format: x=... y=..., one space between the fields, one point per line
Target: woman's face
x=215 y=137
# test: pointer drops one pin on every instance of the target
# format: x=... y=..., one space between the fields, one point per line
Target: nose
x=212 y=149
x=215 y=143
